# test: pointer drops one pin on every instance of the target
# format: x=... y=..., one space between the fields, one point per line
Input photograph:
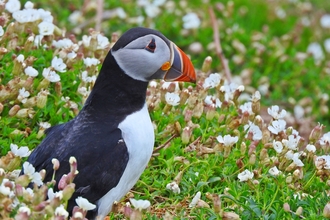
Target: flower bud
x=286 y=207
x=198 y=110
x=207 y=64
x=58 y=89
x=1 y=107
x=243 y=148
x=184 y=95
x=68 y=191
x=252 y=159
x=316 y=133
x=299 y=210
x=42 y=98
x=23 y=180
x=186 y=134
x=230 y=215
x=14 y=110
x=326 y=210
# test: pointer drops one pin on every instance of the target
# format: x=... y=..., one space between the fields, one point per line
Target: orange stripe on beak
x=182 y=69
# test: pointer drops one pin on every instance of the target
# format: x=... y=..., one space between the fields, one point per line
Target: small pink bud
x=299 y=211
x=207 y=64
x=286 y=207
x=13 y=111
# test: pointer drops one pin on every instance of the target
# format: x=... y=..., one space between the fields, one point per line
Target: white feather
x=138 y=134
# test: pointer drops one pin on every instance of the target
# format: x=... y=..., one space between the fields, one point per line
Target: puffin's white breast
x=138 y=134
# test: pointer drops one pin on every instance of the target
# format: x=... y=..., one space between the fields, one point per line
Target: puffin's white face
x=147 y=57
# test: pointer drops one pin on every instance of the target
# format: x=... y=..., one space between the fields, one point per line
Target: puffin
x=112 y=137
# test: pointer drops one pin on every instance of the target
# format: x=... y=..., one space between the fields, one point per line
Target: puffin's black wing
x=100 y=151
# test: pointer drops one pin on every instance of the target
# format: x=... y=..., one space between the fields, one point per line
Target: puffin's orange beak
x=181 y=69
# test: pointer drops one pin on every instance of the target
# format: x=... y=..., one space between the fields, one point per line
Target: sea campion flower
x=30 y=71
x=274 y=171
x=296 y=160
x=84 y=204
x=246 y=107
x=316 y=50
x=325 y=21
x=91 y=61
x=63 y=43
x=46 y=28
x=212 y=101
x=253 y=130
x=50 y=75
x=213 y=80
x=13 y=5
x=278 y=147
x=23 y=95
x=311 y=148
x=245 y=175
x=227 y=140
x=102 y=42
x=5 y=190
x=86 y=78
x=174 y=187
x=323 y=162
x=61 y=211
x=30 y=171
x=191 y=21
x=325 y=139
x=20 y=152
x=275 y=112
x=292 y=142
x=140 y=204
x=277 y=126
x=58 y=65
x=172 y=98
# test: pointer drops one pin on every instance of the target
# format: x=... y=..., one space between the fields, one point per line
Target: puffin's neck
x=115 y=93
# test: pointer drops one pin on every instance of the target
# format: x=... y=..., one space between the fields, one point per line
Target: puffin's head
x=146 y=54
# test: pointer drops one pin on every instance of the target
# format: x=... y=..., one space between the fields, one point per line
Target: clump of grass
x=223 y=148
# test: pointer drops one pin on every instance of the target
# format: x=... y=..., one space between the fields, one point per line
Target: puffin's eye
x=151 y=47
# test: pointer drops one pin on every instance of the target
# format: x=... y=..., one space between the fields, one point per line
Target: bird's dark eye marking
x=151 y=47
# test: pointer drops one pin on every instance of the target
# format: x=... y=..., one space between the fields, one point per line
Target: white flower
x=140 y=204
x=174 y=187
x=44 y=125
x=254 y=129
x=1 y=31
x=37 y=40
x=22 y=95
x=227 y=140
x=13 y=5
x=212 y=80
x=311 y=148
x=229 y=90
x=245 y=175
x=121 y=13
x=28 y=5
x=316 y=50
x=50 y=75
x=292 y=142
x=195 y=200
x=63 y=43
x=26 y=15
x=30 y=71
x=46 y=28
x=326 y=159
x=45 y=15
x=326 y=44
x=289 y=155
x=256 y=96
x=20 y=152
x=30 y=171
x=20 y=58
x=277 y=126
x=86 y=78
x=275 y=112
x=191 y=21
x=280 y=13
x=212 y=101
x=296 y=160
x=298 y=111
x=24 y=209
x=86 y=40
x=102 y=42
x=72 y=55
x=61 y=211
x=325 y=139
x=84 y=204
x=76 y=17
x=325 y=21
x=58 y=65
x=83 y=91
x=246 y=107
x=91 y=61
x=274 y=171
x=277 y=145
x=5 y=190
x=152 y=10
x=51 y=194
x=172 y=98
